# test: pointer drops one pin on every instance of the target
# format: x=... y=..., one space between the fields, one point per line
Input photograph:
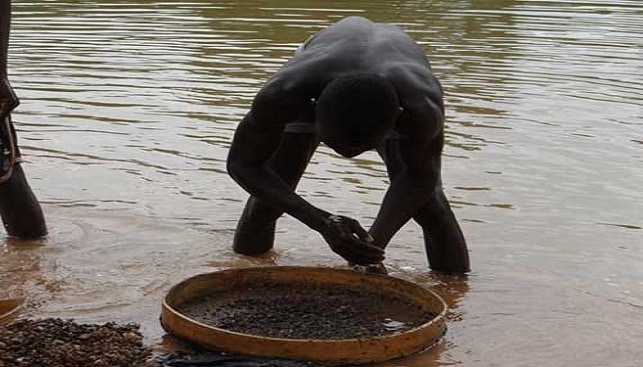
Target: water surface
x=128 y=109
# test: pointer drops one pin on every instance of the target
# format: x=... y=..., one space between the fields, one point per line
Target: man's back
x=356 y=44
x=365 y=44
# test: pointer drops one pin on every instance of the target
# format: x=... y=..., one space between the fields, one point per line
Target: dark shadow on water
x=185 y=354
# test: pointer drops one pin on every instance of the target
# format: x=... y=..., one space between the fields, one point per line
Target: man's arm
x=415 y=181
x=255 y=140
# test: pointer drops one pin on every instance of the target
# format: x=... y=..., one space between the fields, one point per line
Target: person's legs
x=255 y=232
x=20 y=211
x=446 y=249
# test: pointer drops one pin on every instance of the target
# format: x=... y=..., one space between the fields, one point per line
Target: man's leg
x=255 y=232
x=446 y=249
x=20 y=211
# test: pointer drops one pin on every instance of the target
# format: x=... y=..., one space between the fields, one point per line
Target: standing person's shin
x=446 y=248
x=255 y=233
x=20 y=211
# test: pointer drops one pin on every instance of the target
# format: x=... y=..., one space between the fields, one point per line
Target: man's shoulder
x=286 y=86
x=279 y=101
x=421 y=120
x=412 y=79
x=420 y=95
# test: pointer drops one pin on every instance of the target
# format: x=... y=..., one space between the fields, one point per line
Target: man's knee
x=255 y=231
x=253 y=241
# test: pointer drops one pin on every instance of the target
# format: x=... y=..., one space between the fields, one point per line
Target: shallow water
x=128 y=108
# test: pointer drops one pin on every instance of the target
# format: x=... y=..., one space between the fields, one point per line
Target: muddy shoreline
x=58 y=342
x=54 y=342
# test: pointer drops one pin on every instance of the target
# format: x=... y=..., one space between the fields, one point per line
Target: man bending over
x=355 y=86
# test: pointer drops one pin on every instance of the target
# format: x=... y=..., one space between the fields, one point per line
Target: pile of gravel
x=65 y=343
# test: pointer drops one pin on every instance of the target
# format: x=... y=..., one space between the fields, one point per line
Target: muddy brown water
x=128 y=109
x=305 y=311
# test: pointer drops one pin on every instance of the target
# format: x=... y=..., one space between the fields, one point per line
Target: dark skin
x=268 y=162
x=20 y=211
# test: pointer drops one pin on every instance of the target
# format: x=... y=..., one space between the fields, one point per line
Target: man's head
x=356 y=112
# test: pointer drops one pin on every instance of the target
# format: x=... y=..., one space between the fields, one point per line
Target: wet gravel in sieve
x=304 y=311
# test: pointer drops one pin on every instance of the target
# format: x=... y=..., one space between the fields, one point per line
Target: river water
x=128 y=109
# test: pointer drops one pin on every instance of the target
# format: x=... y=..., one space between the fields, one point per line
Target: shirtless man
x=355 y=86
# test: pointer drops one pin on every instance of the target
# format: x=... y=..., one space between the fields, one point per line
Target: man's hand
x=348 y=239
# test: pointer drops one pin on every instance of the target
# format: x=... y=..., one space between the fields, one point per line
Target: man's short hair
x=357 y=106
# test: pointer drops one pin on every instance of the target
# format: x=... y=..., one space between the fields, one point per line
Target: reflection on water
x=128 y=108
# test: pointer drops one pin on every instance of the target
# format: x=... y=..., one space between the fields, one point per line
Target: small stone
x=132 y=337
